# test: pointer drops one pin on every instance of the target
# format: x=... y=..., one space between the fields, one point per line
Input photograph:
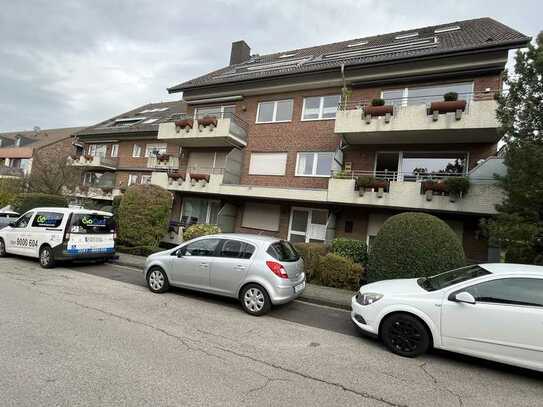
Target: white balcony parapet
x=93 y=161
x=229 y=130
x=414 y=123
x=90 y=192
x=171 y=163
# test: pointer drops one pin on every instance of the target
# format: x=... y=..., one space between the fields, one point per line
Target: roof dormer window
x=408 y=35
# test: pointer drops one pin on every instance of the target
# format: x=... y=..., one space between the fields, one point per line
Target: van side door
x=46 y=228
x=17 y=235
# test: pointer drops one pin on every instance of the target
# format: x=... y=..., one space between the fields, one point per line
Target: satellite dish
x=37 y=129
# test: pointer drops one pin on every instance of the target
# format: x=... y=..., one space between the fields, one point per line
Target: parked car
x=6 y=217
x=52 y=234
x=492 y=311
x=260 y=271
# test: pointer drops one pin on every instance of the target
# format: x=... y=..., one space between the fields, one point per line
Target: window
x=153 y=150
x=132 y=179
x=314 y=164
x=114 y=150
x=145 y=179
x=276 y=111
x=204 y=247
x=91 y=223
x=237 y=250
x=268 y=164
x=98 y=150
x=199 y=210
x=451 y=277
x=47 y=220
x=283 y=251
x=217 y=111
x=431 y=165
x=261 y=216
x=426 y=94
x=136 y=151
x=320 y=107
x=24 y=220
x=511 y=291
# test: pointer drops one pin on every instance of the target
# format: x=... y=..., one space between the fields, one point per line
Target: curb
x=309 y=299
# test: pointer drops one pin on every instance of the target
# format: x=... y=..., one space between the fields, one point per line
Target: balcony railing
x=165 y=162
x=92 y=161
x=11 y=172
x=212 y=129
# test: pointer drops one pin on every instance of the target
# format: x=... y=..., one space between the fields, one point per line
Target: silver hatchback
x=260 y=271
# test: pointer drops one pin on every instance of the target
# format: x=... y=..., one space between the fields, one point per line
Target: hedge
x=138 y=250
x=340 y=272
x=200 y=229
x=356 y=250
x=311 y=253
x=9 y=189
x=26 y=201
x=414 y=245
x=143 y=215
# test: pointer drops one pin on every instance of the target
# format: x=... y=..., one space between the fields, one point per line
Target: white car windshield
x=451 y=277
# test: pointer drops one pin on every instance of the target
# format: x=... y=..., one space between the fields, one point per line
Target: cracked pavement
x=68 y=338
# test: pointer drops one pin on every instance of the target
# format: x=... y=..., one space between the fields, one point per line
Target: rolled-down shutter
x=268 y=164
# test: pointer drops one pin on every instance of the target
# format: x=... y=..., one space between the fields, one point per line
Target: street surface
x=93 y=335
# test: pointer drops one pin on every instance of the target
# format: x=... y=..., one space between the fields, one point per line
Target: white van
x=52 y=234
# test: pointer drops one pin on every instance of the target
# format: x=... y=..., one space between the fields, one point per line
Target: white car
x=492 y=311
x=52 y=234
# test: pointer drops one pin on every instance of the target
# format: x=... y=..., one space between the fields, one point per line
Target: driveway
x=93 y=335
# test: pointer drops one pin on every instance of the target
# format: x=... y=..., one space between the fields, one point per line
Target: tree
x=9 y=189
x=50 y=174
x=519 y=223
x=414 y=245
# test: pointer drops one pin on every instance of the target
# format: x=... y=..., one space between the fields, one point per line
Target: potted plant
x=199 y=177
x=163 y=157
x=363 y=182
x=208 y=121
x=88 y=157
x=378 y=108
x=457 y=187
x=429 y=187
x=183 y=124
x=177 y=175
x=107 y=190
x=449 y=104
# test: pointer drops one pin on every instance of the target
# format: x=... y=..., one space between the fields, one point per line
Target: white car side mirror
x=464 y=297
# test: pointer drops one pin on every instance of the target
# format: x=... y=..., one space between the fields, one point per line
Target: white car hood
x=397 y=286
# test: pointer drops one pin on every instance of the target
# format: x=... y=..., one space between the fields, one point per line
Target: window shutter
x=268 y=164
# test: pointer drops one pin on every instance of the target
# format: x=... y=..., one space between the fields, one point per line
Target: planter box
x=447 y=106
x=199 y=177
x=207 y=121
x=435 y=186
x=88 y=157
x=378 y=110
x=184 y=123
x=177 y=175
x=163 y=158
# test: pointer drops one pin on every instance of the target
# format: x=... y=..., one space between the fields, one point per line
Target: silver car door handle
x=239 y=267
x=204 y=265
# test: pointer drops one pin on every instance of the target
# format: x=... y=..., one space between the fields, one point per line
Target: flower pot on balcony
x=208 y=121
x=163 y=158
x=107 y=191
x=88 y=157
x=74 y=157
x=183 y=124
x=447 y=106
x=376 y=111
x=433 y=186
x=83 y=189
x=199 y=177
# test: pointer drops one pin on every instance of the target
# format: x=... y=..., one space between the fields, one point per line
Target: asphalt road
x=90 y=335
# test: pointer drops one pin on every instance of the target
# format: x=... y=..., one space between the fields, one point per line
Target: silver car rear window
x=283 y=251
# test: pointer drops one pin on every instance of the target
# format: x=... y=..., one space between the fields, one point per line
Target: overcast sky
x=75 y=63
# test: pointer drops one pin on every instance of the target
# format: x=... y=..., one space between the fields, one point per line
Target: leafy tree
x=9 y=189
x=49 y=175
x=519 y=224
x=26 y=201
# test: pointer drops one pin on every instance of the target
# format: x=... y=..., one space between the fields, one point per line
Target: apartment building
x=123 y=151
x=19 y=149
x=275 y=143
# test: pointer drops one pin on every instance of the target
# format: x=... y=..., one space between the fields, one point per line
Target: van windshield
x=92 y=224
x=283 y=251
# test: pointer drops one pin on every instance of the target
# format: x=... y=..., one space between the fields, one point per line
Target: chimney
x=240 y=52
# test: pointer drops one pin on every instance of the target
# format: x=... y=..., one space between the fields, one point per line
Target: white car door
x=47 y=228
x=504 y=324
x=17 y=236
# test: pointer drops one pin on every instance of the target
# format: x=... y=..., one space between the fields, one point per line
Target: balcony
x=419 y=121
x=106 y=193
x=218 y=130
x=9 y=172
x=163 y=162
x=88 y=161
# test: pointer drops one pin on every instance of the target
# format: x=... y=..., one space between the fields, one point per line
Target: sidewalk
x=332 y=297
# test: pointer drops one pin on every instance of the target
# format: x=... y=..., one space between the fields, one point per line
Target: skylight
x=276 y=65
x=409 y=35
x=288 y=55
x=126 y=121
x=160 y=109
x=357 y=44
x=404 y=46
x=150 y=121
x=446 y=29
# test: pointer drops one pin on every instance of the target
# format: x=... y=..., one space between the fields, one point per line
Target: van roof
x=72 y=210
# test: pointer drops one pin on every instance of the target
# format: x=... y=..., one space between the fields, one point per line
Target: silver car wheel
x=45 y=257
x=156 y=280
x=254 y=299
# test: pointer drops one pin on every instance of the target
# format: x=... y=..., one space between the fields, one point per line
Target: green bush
x=311 y=253
x=457 y=185
x=340 y=272
x=26 y=201
x=414 y=245
x=520 y=254
x=356 y=250
x=116 y=203
x=450 y=96
x=143 y=215
x=9 y=189
x=138 y=250
x=378 y=102
x=200 y=229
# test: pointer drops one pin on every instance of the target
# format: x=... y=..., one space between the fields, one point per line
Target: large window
x=426 y=94
x=153 y=150
x=47 y=220
x=216 y=111
x=97 y=150
x=320 y=107
x=268 y=163
x=511 y=291
x=92 y=224
x=276 y=111
x=99 y=179
x=199 y=210
x=420 y=165
x=315 y=164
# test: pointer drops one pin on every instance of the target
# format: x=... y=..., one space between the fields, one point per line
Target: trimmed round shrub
x=200 y=229
x=144 y=215
x=25 y=202
x=339 y=272
x=414 y=245
x=311 y=253
x=356 y=250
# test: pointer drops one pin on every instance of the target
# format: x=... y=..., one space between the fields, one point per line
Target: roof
x=32 y=140
x=481 y=33
x=508 y=268
x=144 y=118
